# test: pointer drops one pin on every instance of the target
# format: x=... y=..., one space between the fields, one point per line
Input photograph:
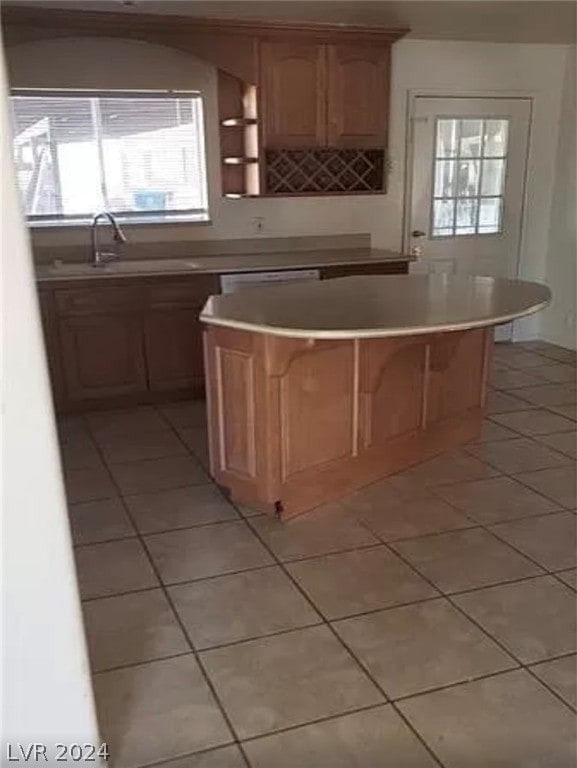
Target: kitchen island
x=317 y=389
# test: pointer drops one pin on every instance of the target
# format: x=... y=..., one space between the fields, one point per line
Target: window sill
x=125 y=221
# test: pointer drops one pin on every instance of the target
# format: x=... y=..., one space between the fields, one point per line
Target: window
x=469 y=176
x=139 y=155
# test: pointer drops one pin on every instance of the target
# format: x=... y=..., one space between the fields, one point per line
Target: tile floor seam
x=84 y=544
x=520 y=664
x=208 y=524
x=515 y=478
x=550 y=407
x=565 y=463
x=181 y=439
x=159 y=764
x=549 y=498
x=519 y=551
x=120 y=594
x=546 y=684
x=532 y=436
x=557 y=576
x=496 y=522
x=282 y=565
x=484 y=527
x=448 y=597
x=340 y=640
x=204 y=674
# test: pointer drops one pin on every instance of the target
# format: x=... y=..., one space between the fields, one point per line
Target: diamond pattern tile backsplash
x=310 y=171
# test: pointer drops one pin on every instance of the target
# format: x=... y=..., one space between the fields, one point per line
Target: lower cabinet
x=173 y=348
x=135 y=340
x=124 y=342
x=102 y=356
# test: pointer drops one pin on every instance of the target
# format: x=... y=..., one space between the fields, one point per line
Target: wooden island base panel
x=297 y=422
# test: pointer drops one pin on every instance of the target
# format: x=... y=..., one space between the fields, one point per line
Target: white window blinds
x=141 y=155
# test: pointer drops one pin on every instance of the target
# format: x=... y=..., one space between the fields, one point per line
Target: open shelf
x=239 y=160
x=238 y=122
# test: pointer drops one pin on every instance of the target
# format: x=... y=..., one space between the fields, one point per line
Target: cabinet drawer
x=84 y=301
x=182 y=295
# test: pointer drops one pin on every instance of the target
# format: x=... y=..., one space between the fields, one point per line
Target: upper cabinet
x=323 y=95
x=303 y=106
x=357 y=95
x=293 y=101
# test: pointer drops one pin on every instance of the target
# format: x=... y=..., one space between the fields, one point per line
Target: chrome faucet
x=100 y=258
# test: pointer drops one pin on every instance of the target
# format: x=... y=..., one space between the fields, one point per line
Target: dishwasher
x=236 y=281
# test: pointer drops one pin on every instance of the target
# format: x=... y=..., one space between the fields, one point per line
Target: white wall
x=421 y=66
x=558 y=323
x=46 y=688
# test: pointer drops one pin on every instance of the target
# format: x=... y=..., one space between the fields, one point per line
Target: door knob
x=418 y=233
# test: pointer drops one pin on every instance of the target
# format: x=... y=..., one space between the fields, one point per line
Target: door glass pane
x=468 y=178
x=466 y=215
x=471 y=138
x=447 y=138
x=464 y=179
x=445 y=178
x=443 y=217
x=493 y=177
x=496 y=134
x=490 y=215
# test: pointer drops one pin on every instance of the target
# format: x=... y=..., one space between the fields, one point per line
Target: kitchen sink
x=121 y=267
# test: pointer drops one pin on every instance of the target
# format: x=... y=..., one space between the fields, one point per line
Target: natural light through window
x=139 y=155
x=469 y=176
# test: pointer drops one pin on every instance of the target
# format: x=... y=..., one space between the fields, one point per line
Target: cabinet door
x=52 y=344
x=173 y=333
x=173 y=344
x=358 y=96
x=293 y=95
x=102 y=356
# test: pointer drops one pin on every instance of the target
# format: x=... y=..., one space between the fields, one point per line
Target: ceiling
x=530 y=21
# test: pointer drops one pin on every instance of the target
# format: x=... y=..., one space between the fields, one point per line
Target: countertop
x=376 y=306
x=218 y=264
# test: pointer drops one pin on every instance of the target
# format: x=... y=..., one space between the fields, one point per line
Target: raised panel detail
x=173 y=345
x=456 y=373
x=317 y=408
x=357 y=95
x=236 y=412
x=293 y=93
x=102 y=356
x=392 y=388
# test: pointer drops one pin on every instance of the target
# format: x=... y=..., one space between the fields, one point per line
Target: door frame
x=415 y=93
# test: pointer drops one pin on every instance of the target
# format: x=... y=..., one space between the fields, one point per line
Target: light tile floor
x=427 y=620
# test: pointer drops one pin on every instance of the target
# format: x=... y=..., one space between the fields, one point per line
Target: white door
x=467 y=185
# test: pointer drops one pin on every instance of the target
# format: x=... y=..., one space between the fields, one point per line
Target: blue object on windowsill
x=148 y=200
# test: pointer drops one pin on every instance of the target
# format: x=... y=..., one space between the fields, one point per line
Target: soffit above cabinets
x=231 y=45
x=522 y=21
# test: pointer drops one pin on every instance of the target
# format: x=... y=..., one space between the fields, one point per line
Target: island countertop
x=376 y=306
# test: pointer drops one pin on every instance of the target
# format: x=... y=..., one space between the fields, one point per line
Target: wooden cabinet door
x=358 y=95
x=102 y=355
x=173 y=345
x=51 y=344
x=293 y=95
x=173 y=333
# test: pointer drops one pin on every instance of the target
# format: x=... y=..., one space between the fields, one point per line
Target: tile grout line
x=486 y=632
x=193 y=651
x=328 y=625
x=282 y=566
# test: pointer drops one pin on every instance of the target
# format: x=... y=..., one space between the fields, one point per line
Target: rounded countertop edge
x=372 y=333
